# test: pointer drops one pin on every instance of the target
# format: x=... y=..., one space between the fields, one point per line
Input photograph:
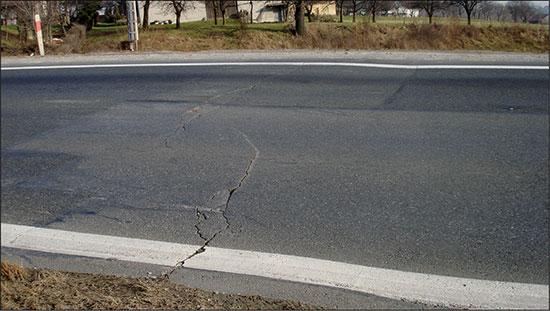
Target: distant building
x=323 y=8
x=264 y=11
x=230 y=9
x=158 y=13
x=279 y=11
x=403 y=12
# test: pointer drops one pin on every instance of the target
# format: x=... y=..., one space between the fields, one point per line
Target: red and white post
x=38 y=29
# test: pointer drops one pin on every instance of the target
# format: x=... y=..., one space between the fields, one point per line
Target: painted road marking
x=427 y=288
x=342 y=64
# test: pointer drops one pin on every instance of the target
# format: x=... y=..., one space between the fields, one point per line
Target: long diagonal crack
x=196 y=110
x=201 y=216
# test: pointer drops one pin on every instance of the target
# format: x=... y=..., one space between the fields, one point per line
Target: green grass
x=11 y=29
x=389 y=20
x=198 y=29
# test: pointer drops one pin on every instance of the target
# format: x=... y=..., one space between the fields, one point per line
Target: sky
x=539 y=3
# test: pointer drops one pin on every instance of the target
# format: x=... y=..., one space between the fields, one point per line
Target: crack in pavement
x=205 y=103
x=201 y=216
x=182 y=124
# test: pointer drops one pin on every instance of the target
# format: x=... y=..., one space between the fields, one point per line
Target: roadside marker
x=38 y=29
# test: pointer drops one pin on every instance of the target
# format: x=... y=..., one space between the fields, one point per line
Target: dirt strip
x=23 y=288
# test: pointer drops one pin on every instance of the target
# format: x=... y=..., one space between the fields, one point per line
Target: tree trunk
x=215 y=15
x=354 y=10
x=430 y=17
x=67 y=14
x=341 y=13
x=308 y=13
x=299 y=18
x=145 y=22
x=20 y=32
x=373 y=16
x=178 y=15
x=223 y=17
x=469 y=17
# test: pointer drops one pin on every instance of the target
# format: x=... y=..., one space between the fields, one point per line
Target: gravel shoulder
x=389 y=56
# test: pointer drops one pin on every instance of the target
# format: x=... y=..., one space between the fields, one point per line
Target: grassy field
x=386 y=33
x=435 y=20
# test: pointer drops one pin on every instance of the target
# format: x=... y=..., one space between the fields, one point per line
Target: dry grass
x=516 y=38
x=46 y=289
x=10 y=44
x=410 y=37
x=362 y=35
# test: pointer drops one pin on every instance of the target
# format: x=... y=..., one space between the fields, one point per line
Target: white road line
x=342 y=64
x=427 y=288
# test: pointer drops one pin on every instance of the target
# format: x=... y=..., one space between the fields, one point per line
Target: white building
x=264 y=11
x=159 y=14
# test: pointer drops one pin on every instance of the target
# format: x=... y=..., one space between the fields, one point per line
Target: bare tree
x=521 y=10
x=356 y=5
x=68 y=10
x=499 y=11
x=308 y=9
x=177 y=7
x=376 y=6
x=223 y=5
x=514 y=8
x=429 y=6
x=145 y=20
x=491 y=10
x=468 y=6
x=296 y=7
x=24 y=12
x=251 y=12
x=340 y=9
x=299 y=17
x=215 y=6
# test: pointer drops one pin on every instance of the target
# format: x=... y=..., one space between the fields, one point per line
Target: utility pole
x=133 y=35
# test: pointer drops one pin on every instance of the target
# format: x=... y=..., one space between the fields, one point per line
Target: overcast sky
x=536 y=2
x=540 y=3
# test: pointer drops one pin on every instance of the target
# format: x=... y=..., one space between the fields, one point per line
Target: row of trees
x=66 y=12
x=177 y=7
x=517 y=10
x=52 y=12
x=522 y=11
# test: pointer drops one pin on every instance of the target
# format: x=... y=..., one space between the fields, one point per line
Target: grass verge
x=23 y=288
x=197 y=36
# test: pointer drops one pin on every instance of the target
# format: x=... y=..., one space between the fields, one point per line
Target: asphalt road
x=432 y=171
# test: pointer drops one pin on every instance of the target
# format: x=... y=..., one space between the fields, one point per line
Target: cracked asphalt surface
x=432 y=171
